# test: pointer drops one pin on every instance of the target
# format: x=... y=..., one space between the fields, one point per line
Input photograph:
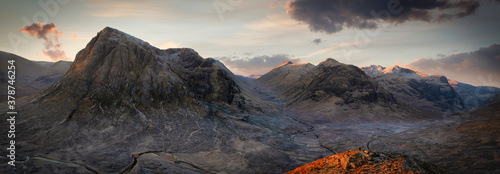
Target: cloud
x=40 y=31
x=330 y=16
x=74 y=38
x=50 y=35
x=255 y=65
x=278 y=2
x=480 y=67
x=316 y=41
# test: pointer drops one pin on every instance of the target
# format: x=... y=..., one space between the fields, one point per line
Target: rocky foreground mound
x=367 y=162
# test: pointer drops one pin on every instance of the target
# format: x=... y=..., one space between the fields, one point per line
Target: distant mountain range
x=249 y=78
x=333 y=92
x=433 y=93
x=124 y=106
x=474 y=96
x=31 y=76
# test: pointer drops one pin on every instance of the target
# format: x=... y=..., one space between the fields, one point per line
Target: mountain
x=367 y=162
x=249 y=78
x=490 y=110
x=125 y=106
x=397 y=70
x=332 y=92
x=473 y=96
x=31 y=76
x=428 y=93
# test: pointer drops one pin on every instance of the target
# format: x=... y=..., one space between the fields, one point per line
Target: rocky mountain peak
x=429 y=93
x=285 y=63
x=330 y=62
x=395 y=69
x=116 y=68
x=373 y=69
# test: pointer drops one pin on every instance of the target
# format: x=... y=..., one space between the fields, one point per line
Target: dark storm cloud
x=317 y=41
x=480 y=67
x=50 y=35
x=330 y=16
x=257 y=64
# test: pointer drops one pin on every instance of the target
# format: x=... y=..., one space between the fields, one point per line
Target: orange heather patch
x=366 y=162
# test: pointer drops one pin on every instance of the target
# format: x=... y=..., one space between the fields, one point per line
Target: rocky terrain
x=367 y=162
x=31 y=76
x=428 y=93
x=125 y=106
x=465 y=143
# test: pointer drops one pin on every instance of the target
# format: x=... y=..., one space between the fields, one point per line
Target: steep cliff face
x=332 y=91
x=428 y=93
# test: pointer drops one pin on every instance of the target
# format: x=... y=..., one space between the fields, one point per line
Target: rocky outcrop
x=367 y=162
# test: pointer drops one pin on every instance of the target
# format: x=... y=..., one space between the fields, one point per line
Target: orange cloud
x=40 y=30
x=55 y=54
x=74 y=37
x=49 y=33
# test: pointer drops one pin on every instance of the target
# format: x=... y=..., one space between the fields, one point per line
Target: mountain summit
x=396 y=70
x=117 y=68
x=428 y=93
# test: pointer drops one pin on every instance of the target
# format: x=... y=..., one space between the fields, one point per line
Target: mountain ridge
x=429 y=93
x=339 y=92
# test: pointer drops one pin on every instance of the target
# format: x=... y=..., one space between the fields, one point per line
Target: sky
x=455 y=38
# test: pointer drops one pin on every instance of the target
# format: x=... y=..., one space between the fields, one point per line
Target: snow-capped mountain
x=429 y=93
x=396 y=70
x=471 y=96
